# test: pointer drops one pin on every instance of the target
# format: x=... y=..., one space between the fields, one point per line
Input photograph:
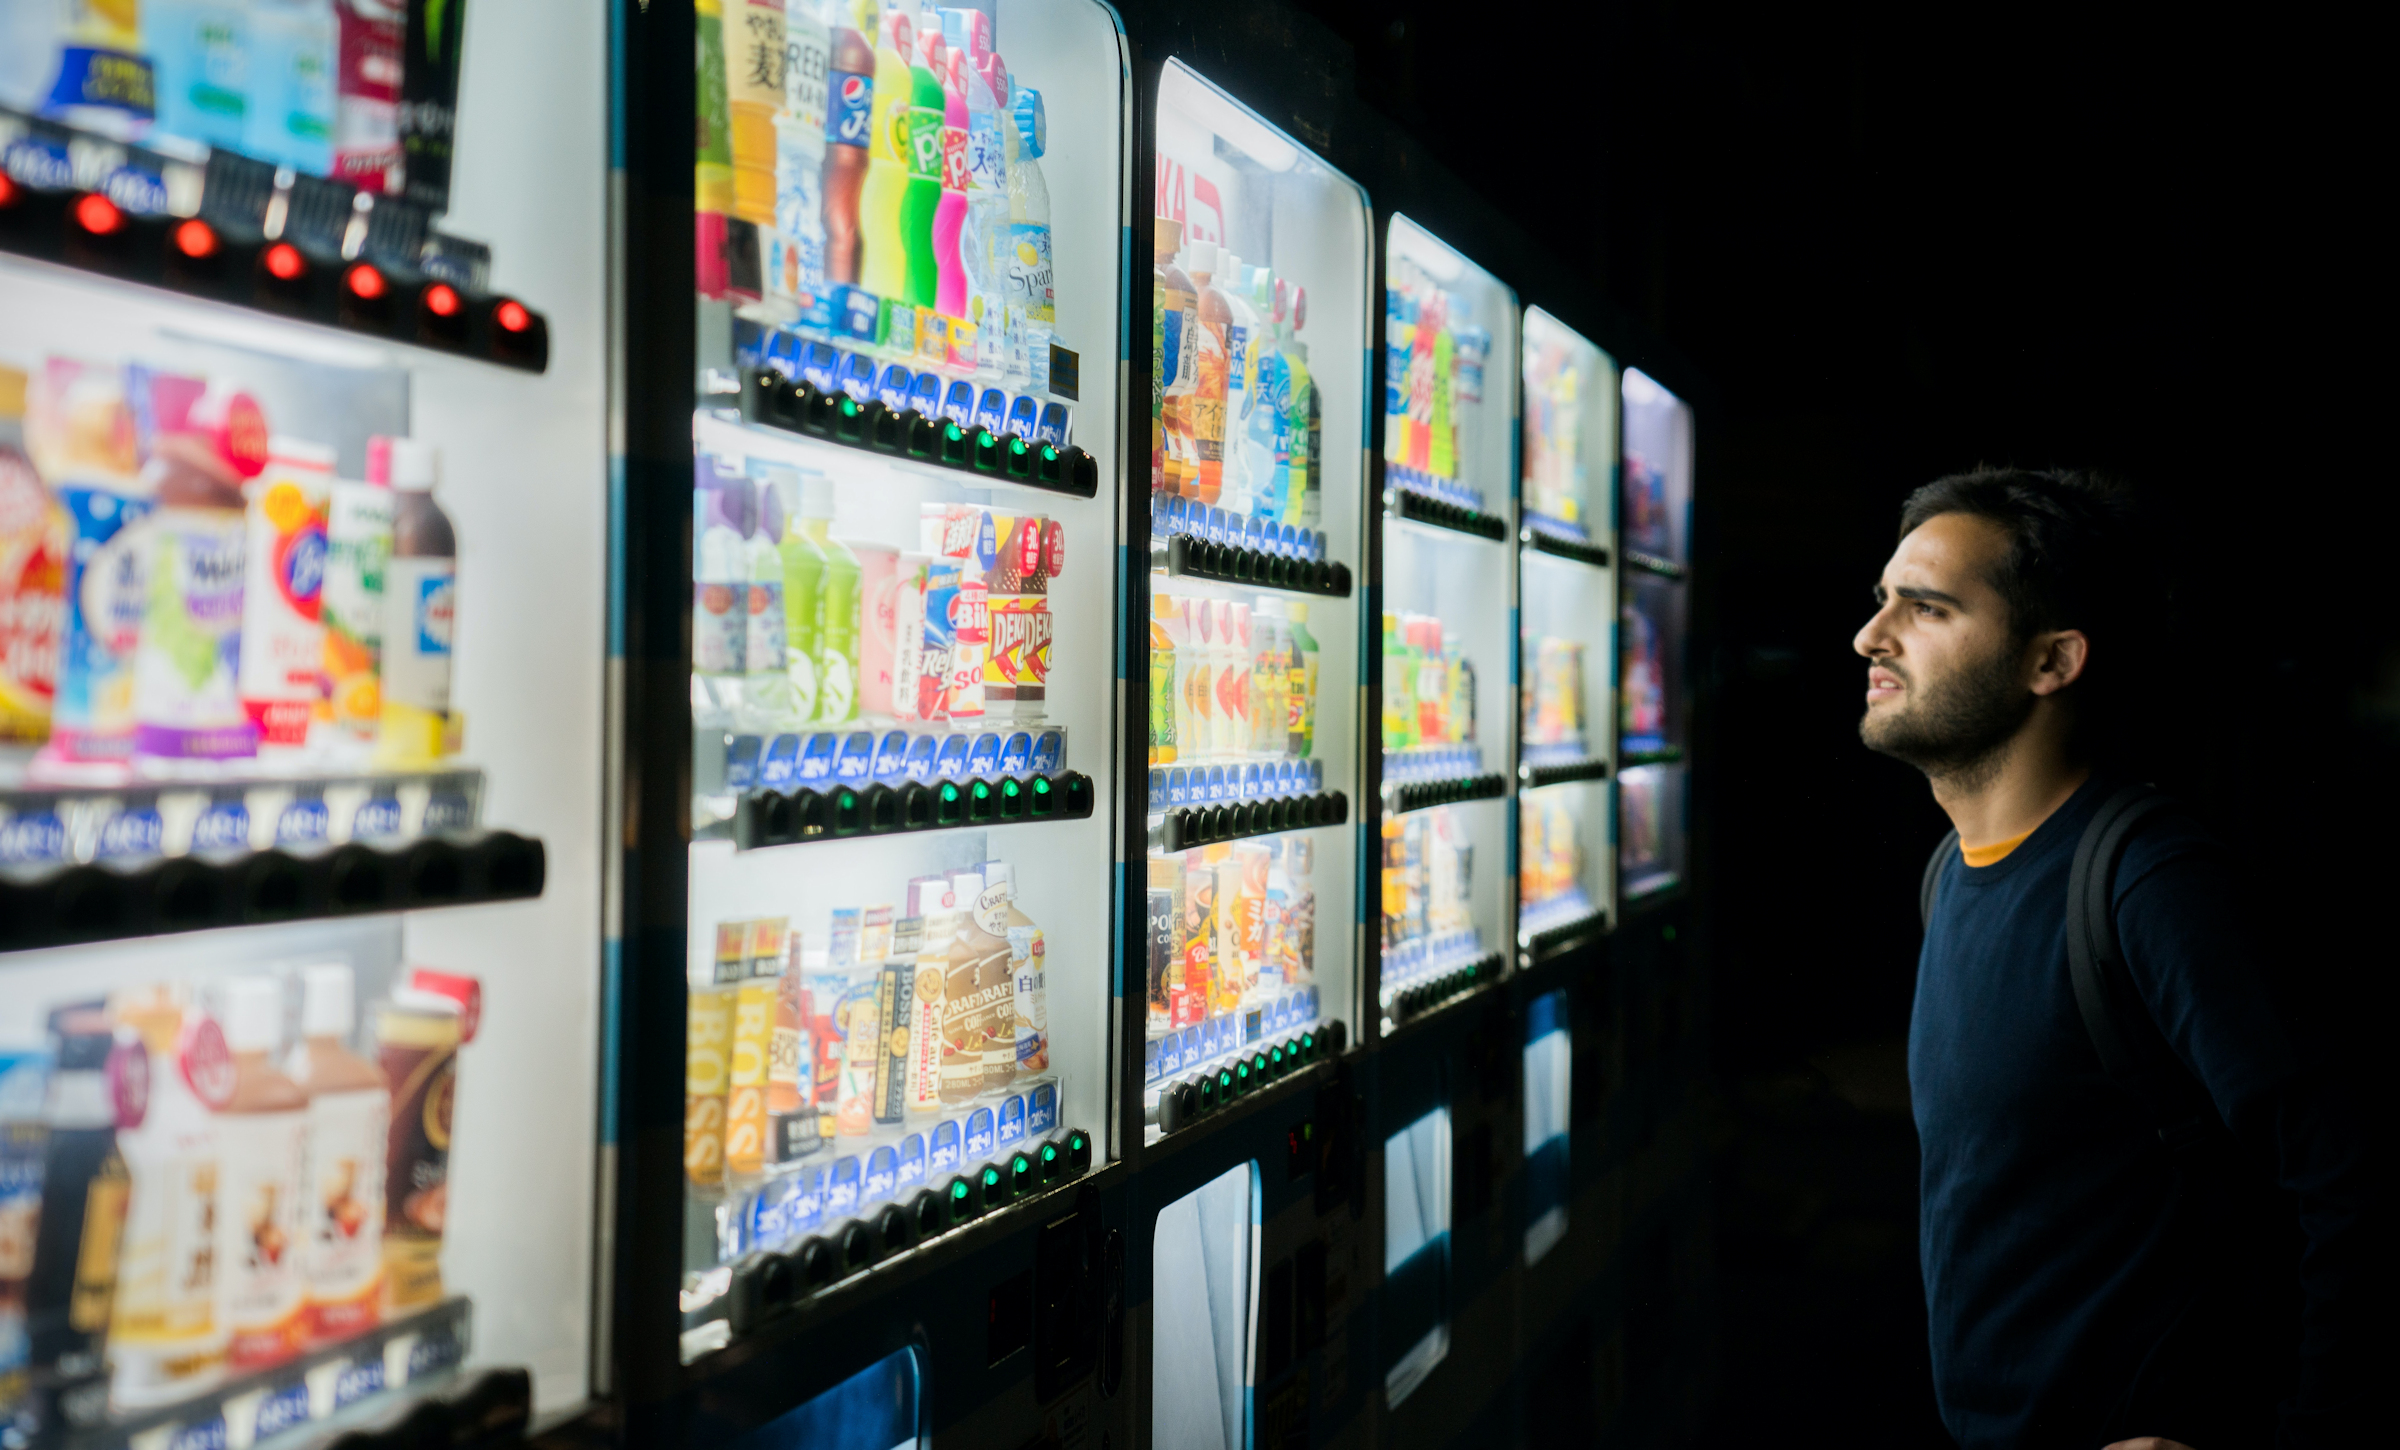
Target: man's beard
x=1955 y=730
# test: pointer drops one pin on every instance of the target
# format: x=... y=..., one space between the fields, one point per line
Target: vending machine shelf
x=770 y=1286
x=1653 y=755
x=1540 y=944
x=352 y=1382
x=1421 y=508
x=1533 y=776
x=310 y=249
x=1401 y=797
x=1189 y=557
x=1182 y=827
x=240 y=807
x=1558 y=546
x=803 y=815
x=1418 y=1000
x=1653 y=564
x=62 y=905
x=1262 y=1070
x=794 y=405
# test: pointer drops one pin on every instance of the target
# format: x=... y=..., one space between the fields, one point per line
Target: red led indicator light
x=365 y=282
x=441 y=299
x=98 y=215
x=512 y=316
x=8 y=190
x=196 y=239
x=284 y=262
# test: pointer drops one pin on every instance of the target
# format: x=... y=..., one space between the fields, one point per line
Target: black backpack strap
x=1931 y=886
x=2131 y=1048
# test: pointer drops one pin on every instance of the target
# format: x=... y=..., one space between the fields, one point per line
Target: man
x=2080 y=1274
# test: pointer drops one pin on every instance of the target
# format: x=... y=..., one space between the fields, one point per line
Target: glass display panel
x=1650 y=848
x=1651 y=702
x=1416 y=1252
x=903 y=614
x=1447 y=560
x=1657 y=517
x=1253 y=770
x=1549 y=1074
x=879 y=1408
x=1204 y=1275
x=1567 y=619
x=302 y=610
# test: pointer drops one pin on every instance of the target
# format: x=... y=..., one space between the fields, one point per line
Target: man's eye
x=1928 y=611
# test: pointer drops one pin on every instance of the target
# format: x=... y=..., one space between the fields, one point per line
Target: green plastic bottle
x=1301 y=692
x=837 y=606
x=923 y=195
x=803 y=583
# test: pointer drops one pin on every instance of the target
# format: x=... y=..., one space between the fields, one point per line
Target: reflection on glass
x=1416 y=1251
x=1549 y=1070
x=1651 y=823
x=875 y=1409
x=1658 y=470
x=1570 y=426
x=1205 y=1271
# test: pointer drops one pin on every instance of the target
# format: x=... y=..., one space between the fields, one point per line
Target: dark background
x=1894 y=242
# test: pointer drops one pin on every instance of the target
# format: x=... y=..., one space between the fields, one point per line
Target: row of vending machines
x=943 y=843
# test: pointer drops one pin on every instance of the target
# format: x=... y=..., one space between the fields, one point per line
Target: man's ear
x=2058 y=659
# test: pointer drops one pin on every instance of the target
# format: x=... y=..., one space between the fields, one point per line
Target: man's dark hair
x=2075 y=561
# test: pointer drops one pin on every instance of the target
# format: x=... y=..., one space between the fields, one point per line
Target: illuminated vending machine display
x=1446 y=575
x=1249 y=951
x=1651 y=703
x=303 y=582
x=903 y=625
x=1567 y=606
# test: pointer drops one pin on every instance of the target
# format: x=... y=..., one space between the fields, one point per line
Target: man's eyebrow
x=1931 y=596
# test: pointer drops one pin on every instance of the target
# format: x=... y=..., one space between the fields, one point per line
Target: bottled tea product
x=349 y=1129
x=72 y=1252
x=166 y=1336
x=358 y=549
x=416 y=1040
x=420 y=599
x=262 y=1153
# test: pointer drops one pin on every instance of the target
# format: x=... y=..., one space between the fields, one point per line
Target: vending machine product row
x=1653 y=709
x=303 y=590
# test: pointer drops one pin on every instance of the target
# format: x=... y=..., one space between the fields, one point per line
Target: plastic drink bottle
x=292 y=60
x=883 y=270
x=1214 y=371
x=720 y=595
x=200 y=51
x=1162 y=680
x=712 y=150
x=1179 y=306
x=166 y=1329
x=282 y=674
x=969 y=31
x=186 y=694
x=1158 y=372
x=803 y=583
x=1028 y=266
x=797 y=259
x=1241 y=336
x=923 y=198
x=849 y=125
x=837 y=609
x=366 y=130
x=950 y=214
x=752 y=48
x=262 y=1143
x=767 y=700
x=420 y=601
x=1266 y=431
x=358 y=547
x=349 y=1127
x=1301 y=416
x=1300 y=708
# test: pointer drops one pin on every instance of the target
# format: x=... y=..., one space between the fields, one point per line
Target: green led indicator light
x=1049 y=454
x=1016 y=445
x=1076 y=1141
x=1010 y=787
x=953 y=433
x=849 y=407
x=1049 y=1152
x=949 y=791
x=1041 y=785
x=991 y=1177
x=1020 y=1164
x=982 y=791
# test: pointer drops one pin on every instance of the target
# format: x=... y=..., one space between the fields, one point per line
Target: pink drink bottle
x=950 y=214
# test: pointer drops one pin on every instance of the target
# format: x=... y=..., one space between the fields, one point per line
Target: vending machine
x=1652 y=708
x=303 y=606
x=1566 y=866
x=902 y=507
x=1250 y=1253
x=1444 y=574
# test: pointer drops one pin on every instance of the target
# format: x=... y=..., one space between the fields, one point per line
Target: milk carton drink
x=358 y=549
x=282 y=673
x=420 y=602
x=349 y=1124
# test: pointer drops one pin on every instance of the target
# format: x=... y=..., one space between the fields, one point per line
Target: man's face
x=1946 y=684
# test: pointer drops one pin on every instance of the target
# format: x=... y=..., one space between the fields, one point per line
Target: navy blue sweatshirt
x=2075 y=1276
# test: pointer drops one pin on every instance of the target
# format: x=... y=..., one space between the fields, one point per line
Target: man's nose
x=1871 y=640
